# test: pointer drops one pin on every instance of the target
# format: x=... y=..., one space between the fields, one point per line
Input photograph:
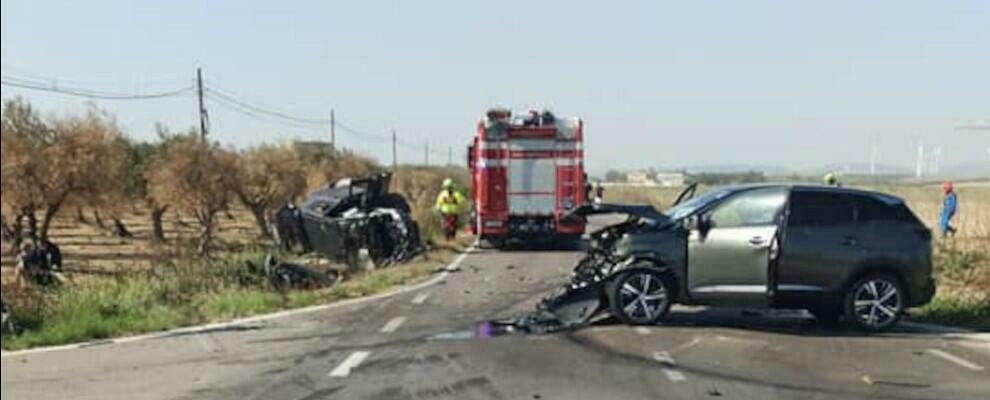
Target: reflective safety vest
x=450 y=201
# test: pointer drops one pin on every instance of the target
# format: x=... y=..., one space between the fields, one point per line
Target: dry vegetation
x=156 y=235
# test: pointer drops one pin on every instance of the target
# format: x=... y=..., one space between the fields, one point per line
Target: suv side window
x=873 y=210
x=758 y=207
x=814 y=209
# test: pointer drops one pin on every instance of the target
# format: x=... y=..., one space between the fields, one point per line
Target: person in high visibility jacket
x=950 y=207
x=450 y=202
x=832 y=180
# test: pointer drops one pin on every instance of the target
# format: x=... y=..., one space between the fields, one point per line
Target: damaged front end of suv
x=351 y=216
x=629 y=245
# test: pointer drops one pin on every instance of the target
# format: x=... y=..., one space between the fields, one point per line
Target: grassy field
x=962 y=264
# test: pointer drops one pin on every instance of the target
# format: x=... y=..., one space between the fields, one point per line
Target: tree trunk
x=208 y=225
x=120 y=230
x=98 y=219
x=261 y=219
x=46 y=222
x=157 y=224
x=32 y=225
x=5 y=232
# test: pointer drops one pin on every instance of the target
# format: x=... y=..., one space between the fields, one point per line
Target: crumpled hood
x=640 y=211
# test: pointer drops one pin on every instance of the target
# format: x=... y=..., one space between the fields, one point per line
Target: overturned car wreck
x=351 y=216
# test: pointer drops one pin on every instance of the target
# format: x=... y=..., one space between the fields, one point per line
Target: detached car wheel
x=641 y=296
x=875 y=303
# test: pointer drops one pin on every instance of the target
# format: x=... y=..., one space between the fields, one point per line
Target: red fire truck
x=528 y=174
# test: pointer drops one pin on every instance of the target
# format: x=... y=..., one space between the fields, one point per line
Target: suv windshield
x=689 y=207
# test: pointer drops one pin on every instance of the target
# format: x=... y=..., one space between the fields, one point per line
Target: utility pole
x=333 y=130
x=202 y=106
x=450 y=156
x=395 y=152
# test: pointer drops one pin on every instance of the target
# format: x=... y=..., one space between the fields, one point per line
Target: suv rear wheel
x=641 y=296
x=875 y=303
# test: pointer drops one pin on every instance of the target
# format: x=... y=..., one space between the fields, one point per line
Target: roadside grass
x=184 y=294
x=972 y=312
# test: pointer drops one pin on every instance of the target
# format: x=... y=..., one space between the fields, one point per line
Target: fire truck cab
x=527 y=176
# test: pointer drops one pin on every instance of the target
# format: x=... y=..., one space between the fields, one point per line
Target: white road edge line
x=261 y=318
x=353 y=361
x=421 y=299
x=393 y=325
x=674 y=375
x=956 y=360
x=670 y=366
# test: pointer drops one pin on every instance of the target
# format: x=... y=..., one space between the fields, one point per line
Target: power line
x=88 y=93
x=261 y=110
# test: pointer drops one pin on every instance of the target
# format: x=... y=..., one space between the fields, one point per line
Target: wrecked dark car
x=351 y=216
x=839 y=253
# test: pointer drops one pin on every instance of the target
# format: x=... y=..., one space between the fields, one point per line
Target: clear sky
x=798 y=84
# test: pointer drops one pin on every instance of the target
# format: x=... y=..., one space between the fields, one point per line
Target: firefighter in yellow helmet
x=450 y=202
x=832 y=180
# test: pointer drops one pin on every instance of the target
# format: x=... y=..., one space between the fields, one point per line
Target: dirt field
x=89 y=250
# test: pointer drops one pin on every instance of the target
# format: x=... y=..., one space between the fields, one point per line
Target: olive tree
x=268 y=177
x=195 y=177
x=48 y=164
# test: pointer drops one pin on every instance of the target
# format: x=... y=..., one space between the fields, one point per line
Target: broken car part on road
x=351 y=216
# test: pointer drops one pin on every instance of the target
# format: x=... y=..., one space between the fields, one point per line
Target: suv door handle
x=850 y=241
x=757 y=242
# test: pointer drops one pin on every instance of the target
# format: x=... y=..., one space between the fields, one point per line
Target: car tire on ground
x=875 y=303
x=642 y=295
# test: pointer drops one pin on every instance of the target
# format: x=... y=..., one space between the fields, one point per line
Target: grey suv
x=835 y=252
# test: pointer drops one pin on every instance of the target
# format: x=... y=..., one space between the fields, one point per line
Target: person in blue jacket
x=949 y=209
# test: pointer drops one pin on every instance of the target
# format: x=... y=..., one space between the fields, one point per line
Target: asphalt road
x=419 y=345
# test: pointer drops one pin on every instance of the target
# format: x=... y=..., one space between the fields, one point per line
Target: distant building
x=670 y=179
x=640 y=178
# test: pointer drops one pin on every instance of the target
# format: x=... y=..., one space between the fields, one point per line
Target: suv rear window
x=870 y=209
x=811 y=209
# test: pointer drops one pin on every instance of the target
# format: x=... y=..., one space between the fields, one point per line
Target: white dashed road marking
x=956 y=360
x=421 y=299
x=642 y=331
x=670 y=366
x=393 y=325
x=353 y=361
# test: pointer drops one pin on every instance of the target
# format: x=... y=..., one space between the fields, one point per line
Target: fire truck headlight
x=569 y=204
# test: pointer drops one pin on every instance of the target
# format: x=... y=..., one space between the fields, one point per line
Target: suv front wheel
x=875 y=303
x=641 y=296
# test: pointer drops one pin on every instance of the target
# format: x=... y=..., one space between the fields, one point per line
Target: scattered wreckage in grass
x=350 y=217
x=8 y=320
x=839 y=253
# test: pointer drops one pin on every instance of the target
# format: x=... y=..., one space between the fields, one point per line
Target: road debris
x=285 y=276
